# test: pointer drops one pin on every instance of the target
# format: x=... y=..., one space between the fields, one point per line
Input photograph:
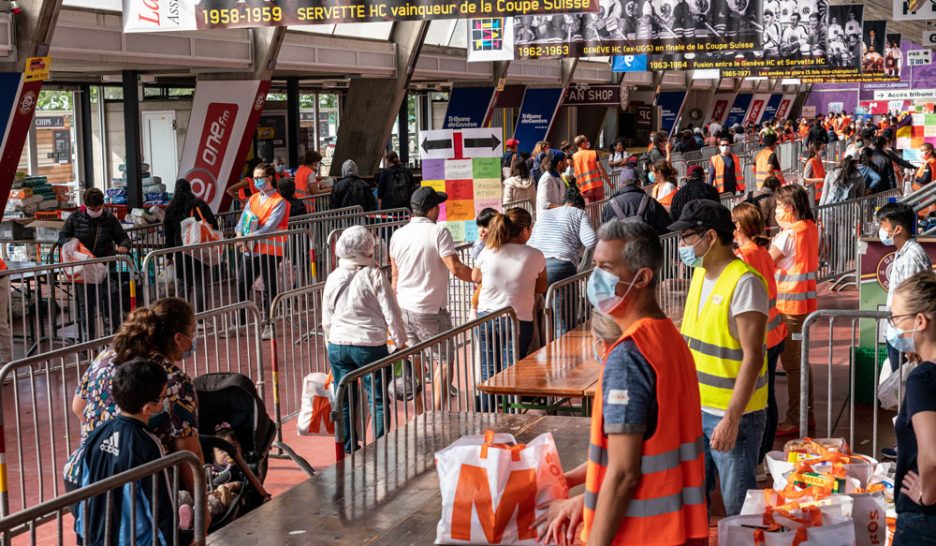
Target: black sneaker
x=889 y=452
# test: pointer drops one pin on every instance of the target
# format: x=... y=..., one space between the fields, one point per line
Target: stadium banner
x=633 y=27
x=468 y=106
x=670 y=103
x=536 y=116
x=738 y=109
x=720 y=104
x=770 y=109
x=490 y=39
x=18 y=99
x=221 y=130
x=785 y=106
x=168 y=15
x=756 y=110
x=629 y=63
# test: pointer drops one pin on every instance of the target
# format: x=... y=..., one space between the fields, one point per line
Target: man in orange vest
x=766 y=162
x=266 y=212
x=725 y=172
x=590 y=176
x=6 y=334
x=645 y=474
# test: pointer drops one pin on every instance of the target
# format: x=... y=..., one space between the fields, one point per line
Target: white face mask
x=95 y=213
x=724 y=149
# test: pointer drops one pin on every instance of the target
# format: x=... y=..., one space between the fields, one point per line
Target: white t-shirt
x=417 y=250
x=666 y=188
x=550 y=190
x=508 y=278
x=785 y=241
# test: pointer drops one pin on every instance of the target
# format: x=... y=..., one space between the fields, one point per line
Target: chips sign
x=169 y=15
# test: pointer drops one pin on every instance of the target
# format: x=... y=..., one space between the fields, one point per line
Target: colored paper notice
x=929 y=131
x=443 y=212
x=903 y=143
x=481 y=204
x=459 y=190
x=471 y=231
x=437 y=185
x=486 y=167
x=458 y=169
x=459 y=210
x=433 y=169
x=38 y=69
x=457 y=229
x=488 y=189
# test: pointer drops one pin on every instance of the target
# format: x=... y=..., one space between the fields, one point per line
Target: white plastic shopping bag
x=75 y=252
x=890 y=383
x=318 y=399
x=491 y=487
x=758 y=501
x=197 y=231
x=870 y=517
x=781 y=530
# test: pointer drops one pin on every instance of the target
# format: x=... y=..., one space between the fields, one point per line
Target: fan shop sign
x=593 y=95
x=169 y=15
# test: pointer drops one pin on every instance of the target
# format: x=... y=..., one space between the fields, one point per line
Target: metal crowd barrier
x=708 y=152
x=317 y=203
x=52 y=305
x=674 y=279
x=161 y=472
x=395 y=389
x=566 y=306
x=461 y=292
x=838 y=347
x=594 y=210
x=382 y=233
x=749 y=176
x=38 y=429
x=524 y=204
x=730 y=200
x=227 y=221
x=220 y=273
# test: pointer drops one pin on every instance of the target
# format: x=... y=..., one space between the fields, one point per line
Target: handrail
x=550 y=298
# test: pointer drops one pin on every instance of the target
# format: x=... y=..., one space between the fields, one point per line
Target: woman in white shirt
x=663 y=176
x=358 y=309
x=551 y=189
x=519 y=186
x=511 y=274
x=618 y=158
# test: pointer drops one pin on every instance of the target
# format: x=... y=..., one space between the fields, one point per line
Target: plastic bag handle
x=489 y=442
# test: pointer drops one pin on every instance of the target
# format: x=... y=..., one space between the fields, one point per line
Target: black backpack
x=398 y=189
x=643 y=169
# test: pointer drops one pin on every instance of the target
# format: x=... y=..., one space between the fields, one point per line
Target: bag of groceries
x=318 y=399
x=807 y=527
x=75 y=252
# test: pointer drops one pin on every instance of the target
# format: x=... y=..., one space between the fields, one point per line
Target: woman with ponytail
x=512 y=274
x=164 y=332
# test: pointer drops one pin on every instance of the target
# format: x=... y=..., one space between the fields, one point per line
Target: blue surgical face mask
x=259 y=183
x=651 y=178
x=896 y=338
x=597 y=351
x=602 y=290
x=886 y=239
x=188 y=354
x=688 y=256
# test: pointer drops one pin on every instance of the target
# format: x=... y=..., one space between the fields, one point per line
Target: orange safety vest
x=668 y=199
x=759 y=258
x=818 y=171
x=762 y=167
x=274 y=245
x=587 y=175
x=719 y=165
x=796 y=286
x=302 y=181
x=884 y=124
x=668 y=506
x=931 y=165
x=3 y=265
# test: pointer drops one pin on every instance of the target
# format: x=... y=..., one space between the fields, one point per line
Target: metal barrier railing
x=674 y=279
x=220 y=273
x=38 y=429
x=320 y=202
x=594 y=210
x=461 y=292
x=145 y=239
x=227 y=221
x=524 y=204
x=749 y=176
x=397 y=389
x=28 y=521
x=60 y=304
x=708 y=152
x=837 y=351
x=566 y=306
x=382 y=233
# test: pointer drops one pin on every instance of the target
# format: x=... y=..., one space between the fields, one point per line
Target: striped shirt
x=908 y=261
x=562 y=233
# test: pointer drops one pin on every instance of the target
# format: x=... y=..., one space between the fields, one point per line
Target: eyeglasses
x=684 y=239
x=894 y=319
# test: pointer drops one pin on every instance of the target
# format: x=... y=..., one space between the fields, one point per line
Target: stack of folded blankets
x=154 y=191
x=30 y=194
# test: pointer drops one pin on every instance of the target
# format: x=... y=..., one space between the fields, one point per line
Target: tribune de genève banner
x=168 y=15
x=629 y=27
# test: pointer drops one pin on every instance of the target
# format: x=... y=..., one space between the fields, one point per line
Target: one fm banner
x=628 y=27
x=167 y=15
x=224 y=118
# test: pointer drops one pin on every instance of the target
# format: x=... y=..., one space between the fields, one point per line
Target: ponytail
x=149 y=330
x=503 y=228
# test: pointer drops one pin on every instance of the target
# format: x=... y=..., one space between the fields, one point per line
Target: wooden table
x=565 y=368
x=389 y=494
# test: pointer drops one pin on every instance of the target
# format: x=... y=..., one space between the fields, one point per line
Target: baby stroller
x=228 y=403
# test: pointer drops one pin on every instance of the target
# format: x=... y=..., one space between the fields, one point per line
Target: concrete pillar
x=87 y=136
x=371 y=105
x=133 y=147
x=292 y=121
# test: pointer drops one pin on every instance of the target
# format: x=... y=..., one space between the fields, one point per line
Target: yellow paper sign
x=38 y=68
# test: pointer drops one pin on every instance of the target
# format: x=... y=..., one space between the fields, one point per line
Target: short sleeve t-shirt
x=417 y=250
x=750 y=295
x=508 y=278
x=785 y=241
x=628 y=389
x=921 y=384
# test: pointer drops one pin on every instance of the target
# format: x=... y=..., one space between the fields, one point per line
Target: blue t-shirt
x=918 y=396
x=113 y=447
x=628 y=387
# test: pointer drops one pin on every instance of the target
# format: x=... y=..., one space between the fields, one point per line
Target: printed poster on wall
x=720 y=105
x=670 y=103
x=469 y=171
x=536 y=116
x=770 y=109
x=756 y=110
x=630 y=27
x=914 y=10
x=490 y=39
x=629 y=63
x=738 y=109
x=169 y=15
x=18 y=99
x=467 y=107
x=893 y=57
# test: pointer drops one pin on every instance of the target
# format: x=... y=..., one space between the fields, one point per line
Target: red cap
x=695 y=170
x=512 y=143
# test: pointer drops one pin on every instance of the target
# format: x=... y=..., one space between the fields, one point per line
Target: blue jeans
x=915 y=528
x=497 y=350
x=737 y=469
x=344 y=360
x=773 y=414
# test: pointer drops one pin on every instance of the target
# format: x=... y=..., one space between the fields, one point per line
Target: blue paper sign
x=670 y=103
x=739 y=109
x=536 y=116
x=629 y=63
x=467 y=107
x=770 y=111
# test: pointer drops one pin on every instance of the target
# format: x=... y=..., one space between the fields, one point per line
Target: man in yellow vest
x=766 y=162
x=645 y=473
x=724 y=323
x=590 y=176
x=265 y=212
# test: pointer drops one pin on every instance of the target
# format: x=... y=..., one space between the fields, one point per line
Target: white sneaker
x=761 y=475
x=267 y=333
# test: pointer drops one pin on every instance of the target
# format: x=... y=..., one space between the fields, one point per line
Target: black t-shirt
x=918 y=397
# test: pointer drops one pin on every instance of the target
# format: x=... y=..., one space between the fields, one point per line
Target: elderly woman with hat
x=358 y=309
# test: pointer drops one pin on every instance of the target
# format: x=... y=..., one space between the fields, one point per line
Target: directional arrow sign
x=483 y=142
x=437 y=144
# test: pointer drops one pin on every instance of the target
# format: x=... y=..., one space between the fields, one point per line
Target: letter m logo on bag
x=473 y=495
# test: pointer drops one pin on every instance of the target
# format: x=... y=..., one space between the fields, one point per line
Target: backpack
x=643 y=169
x=398 y=190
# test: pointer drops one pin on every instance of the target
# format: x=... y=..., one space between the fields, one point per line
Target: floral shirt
x=179 y=418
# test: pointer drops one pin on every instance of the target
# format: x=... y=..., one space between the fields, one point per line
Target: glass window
x=440 y=32
x=328 y=119
x=374 y=31
x=460 y=34
x=56 y=145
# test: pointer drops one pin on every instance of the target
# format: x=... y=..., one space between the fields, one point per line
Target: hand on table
x=561 y=519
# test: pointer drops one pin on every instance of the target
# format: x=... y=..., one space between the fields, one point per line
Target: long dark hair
x=152 y=329
x=183 y=201
x=504 y=227
x=847 y=171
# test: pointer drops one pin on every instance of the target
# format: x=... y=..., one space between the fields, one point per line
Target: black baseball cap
x=703 y=214
x=425 y=198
